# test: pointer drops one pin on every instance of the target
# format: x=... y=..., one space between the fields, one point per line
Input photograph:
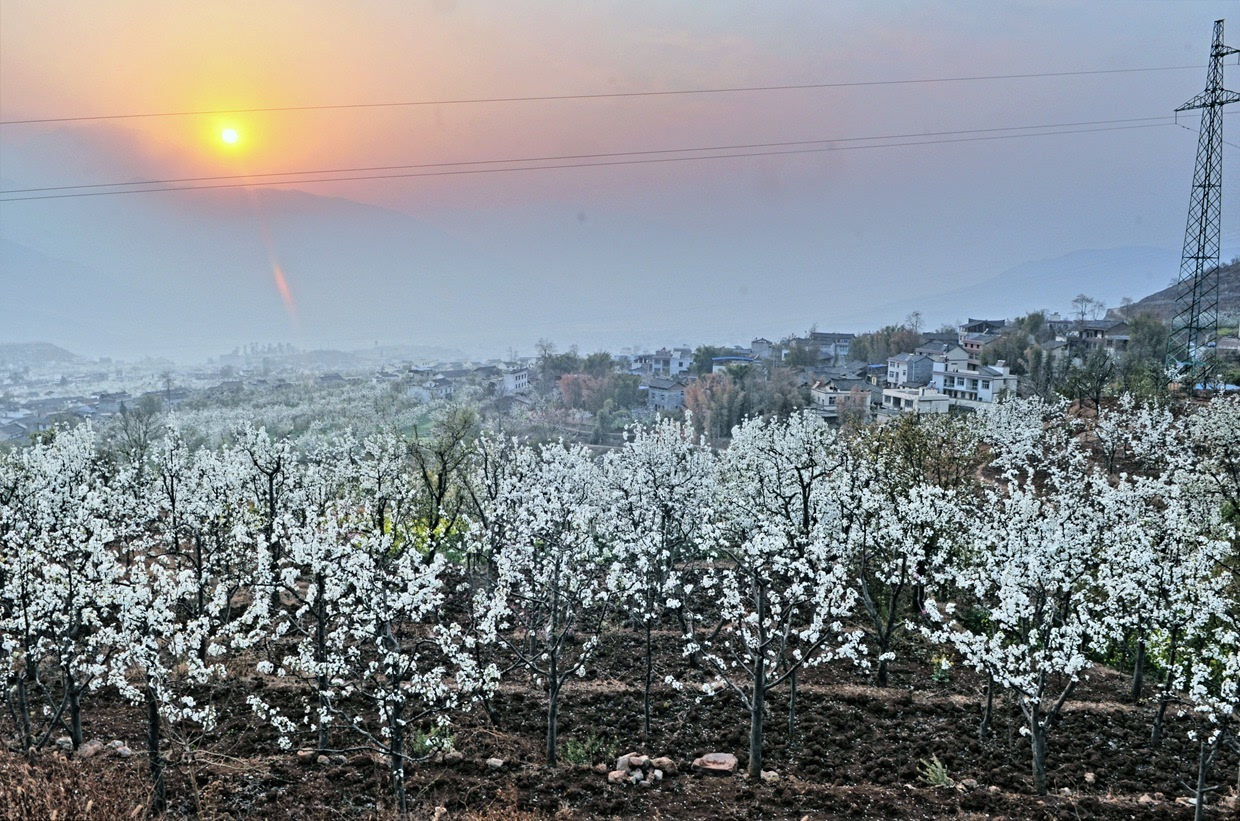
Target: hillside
x=33 y=353
x=1162 y=303
x=1107 y=274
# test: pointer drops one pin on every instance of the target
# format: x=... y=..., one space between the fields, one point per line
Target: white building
x=830 y=400
x=909 y=369
x=516 y=380
x=915 y=400
x=986 y=384
x=431 y=389
x=664 y=362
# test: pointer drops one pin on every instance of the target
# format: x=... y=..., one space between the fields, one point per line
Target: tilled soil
x=859 y=751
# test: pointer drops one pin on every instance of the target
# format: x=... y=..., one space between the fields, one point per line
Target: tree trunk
x=1204 y=759
x=1138 y=671
x=983 y=731
x=154 y=733
x=1037 y=741
x=756 y=708
x=75 y=711
x=552 y=708
x=23 y=713
x=1038 y=727
x=1156 y=734
x=1165 y=695
x=881 y=678
x=649 y=679
x=757 y=704
x=396 y=756
x=686 y=629
x=320 y=656
x=272 y=545
x=29 y=686
x=792 y=710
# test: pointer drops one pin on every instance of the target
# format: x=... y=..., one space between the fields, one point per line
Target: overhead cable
x=595 y=96
x=37 y=194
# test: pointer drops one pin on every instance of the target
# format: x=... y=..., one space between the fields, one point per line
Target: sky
x=850 y=236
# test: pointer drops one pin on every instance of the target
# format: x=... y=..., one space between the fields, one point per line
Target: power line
x=1181 y=125
x=558 y=165
x=565 y=157
x=599 y=96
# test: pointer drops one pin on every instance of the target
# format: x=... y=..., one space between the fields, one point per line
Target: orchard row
x=392 y=582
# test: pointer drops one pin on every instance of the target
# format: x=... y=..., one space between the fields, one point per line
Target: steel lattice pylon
x=1195 y=325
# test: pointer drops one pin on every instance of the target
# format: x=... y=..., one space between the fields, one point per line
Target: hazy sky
x=710 y=250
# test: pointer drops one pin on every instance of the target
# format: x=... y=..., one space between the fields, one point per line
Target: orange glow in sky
x=285 y=293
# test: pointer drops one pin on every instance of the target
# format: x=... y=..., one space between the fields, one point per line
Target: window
x=986 y=384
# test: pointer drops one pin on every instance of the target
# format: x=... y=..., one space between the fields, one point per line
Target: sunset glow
x=375 y=139
x=285 y=293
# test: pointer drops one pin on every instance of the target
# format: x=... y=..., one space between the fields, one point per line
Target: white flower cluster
x=390 y=582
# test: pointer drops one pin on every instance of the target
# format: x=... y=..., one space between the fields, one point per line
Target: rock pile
x=635 y=769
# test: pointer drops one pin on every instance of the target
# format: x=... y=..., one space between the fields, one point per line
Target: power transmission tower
x=1195 y=326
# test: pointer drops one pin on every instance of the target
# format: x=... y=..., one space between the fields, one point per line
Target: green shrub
x=586 y=751
x=934 y=773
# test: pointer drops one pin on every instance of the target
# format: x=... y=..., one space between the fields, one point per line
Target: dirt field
x=856 y=755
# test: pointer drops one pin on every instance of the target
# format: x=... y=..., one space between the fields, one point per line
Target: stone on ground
x=715 y=764
x=90 y=749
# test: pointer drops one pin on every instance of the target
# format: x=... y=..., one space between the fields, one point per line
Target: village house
x=832 y=398
x=909 y=369
x=1056 y=350
x=915 y=400
x=1110 y=334
x=441 y=388
x=109 y=403
x=664 y=362
x=984 y=385
x=945 y=352
x=981 y=326
x=951 y=337
x=14 y=432
x=974 y=343
x=832 y=347
x=515 y=381
x=665 y=394
x=762 y=348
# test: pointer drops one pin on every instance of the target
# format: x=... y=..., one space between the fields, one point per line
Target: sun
x=230 y=136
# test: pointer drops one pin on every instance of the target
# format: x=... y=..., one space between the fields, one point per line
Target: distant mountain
x=1162 y=303
x=47 y=297
x=33 y=353
x=266 y=265
x=1108 y=274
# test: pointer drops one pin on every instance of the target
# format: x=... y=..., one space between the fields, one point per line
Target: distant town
x=845 y=378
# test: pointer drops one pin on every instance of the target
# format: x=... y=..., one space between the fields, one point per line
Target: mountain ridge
x=1161 y=304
